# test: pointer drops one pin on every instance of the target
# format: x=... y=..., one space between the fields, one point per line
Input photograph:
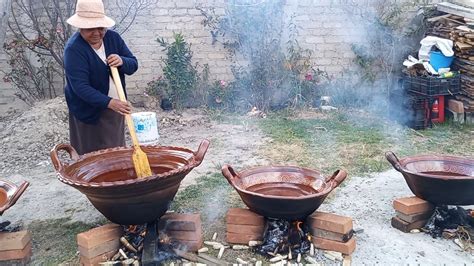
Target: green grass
x=357 y=141
x=54 y=240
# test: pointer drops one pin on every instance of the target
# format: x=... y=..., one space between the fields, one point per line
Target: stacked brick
x=185 y=230
x=332 y=232
x=99 y=244
x=243 y=225
x=411 y=213
x=15 y=248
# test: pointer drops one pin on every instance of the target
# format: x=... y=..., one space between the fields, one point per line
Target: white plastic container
x=146 y=127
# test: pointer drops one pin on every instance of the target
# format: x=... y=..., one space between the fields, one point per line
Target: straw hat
x=90 y=14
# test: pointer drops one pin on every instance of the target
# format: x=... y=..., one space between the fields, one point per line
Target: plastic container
x=146 y=127
x=432 y=86
x=439 y=60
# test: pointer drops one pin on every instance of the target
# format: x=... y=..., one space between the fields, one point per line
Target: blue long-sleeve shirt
x=87 y=76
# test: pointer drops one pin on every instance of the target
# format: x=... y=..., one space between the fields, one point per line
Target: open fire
x=285 y=237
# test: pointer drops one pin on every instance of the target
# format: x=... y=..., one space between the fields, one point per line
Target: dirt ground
x=25 y=142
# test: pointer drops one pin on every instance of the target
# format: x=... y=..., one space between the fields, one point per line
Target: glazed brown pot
x=10 y=193
x=284 y=192
x=107 y=177
x=443 y=180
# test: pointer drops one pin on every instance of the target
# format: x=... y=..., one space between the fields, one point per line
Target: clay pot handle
x=199 y=154
x=15 y=196
x=336 y=179
x=229 y=173
x=58 y=165
x=393 y=159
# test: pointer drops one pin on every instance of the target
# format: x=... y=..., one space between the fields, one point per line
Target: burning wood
x=282 y=236
x=129 y=246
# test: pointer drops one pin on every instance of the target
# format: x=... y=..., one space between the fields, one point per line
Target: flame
x=132 y=228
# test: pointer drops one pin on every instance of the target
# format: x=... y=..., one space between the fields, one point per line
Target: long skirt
x=109 y=132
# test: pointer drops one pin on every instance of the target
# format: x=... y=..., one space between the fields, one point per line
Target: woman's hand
x=114 y=60
x=123 y=108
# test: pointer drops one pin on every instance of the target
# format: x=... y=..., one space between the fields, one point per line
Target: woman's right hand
x=123 y=108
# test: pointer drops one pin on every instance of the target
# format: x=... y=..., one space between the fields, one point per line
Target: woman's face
x=93 y=36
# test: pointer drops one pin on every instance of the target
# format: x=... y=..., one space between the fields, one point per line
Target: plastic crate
x=410 y=109
x=432 y=86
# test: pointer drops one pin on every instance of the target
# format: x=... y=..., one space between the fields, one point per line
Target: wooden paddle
x=139 y=158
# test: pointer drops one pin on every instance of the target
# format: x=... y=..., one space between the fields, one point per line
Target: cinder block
x=414 y=217
x=244 y=216
x=326 y=244
x=412 y=205
x=84 y=261
x=14 y=240
x=16 y=254
x=109 y=246
x=407 y=227
x=179 y=222
x=245 y=229
x=99 y=235
x=235 y=238
x=330 y=222
x=455 y=106
x=320 y=233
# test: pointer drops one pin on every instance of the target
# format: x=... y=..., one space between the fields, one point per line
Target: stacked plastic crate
x=421 y=100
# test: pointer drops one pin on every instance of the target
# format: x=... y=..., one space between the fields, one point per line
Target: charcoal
x=282 y=235
x=445 y=217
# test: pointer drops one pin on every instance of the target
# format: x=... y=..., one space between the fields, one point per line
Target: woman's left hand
x=114 y=60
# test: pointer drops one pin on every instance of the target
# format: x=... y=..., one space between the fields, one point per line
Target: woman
x=95 y=113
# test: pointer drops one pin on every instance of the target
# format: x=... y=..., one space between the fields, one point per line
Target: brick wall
x=323 y=26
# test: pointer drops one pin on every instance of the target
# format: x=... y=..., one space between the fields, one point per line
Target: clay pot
x=107 y=177
x=10 y=193
x=440 y=179
x=284 y=192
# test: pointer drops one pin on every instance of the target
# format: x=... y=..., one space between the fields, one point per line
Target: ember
x=285 y=237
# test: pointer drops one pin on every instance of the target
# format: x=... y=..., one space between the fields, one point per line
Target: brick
x=244 y=216
x=111 y=245
x=233 y=238
x=330 y=222
x=412 y=205
x=188 y=245
x=179 y=222
x=316 y=232
x=455 y=106
x=326 y=244
x=99 y=235
x=245 y=229
x=407 y=227
x=14 y=240
x=184 y=235
x=18 y=254
x=414 y=217
x=96 y=260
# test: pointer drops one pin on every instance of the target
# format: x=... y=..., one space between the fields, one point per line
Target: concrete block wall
x=323 y=26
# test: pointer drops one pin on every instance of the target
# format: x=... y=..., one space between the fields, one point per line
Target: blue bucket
x=439 y=60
